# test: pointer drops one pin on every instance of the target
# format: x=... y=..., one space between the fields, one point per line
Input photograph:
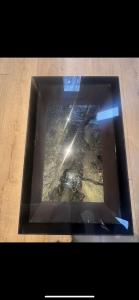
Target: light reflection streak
x=68 y=150
x=69 y=117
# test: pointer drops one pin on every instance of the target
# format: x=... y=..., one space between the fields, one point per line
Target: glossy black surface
x=112 y=213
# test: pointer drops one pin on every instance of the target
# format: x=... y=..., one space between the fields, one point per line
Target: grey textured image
x=73 y=155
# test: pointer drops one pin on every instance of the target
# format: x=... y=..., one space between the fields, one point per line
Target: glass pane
x=75 y=175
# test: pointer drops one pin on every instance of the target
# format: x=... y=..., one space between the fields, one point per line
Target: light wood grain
x=15 y=78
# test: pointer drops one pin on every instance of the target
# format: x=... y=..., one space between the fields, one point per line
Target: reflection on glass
x=72 y=83
x=107 y=114
x=125 y=223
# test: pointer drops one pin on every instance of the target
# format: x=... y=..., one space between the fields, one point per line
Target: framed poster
x=75 y=178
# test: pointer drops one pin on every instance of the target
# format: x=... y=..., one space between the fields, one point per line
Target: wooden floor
x=15 y=79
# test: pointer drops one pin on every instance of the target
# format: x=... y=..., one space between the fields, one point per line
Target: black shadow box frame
x=28 y=226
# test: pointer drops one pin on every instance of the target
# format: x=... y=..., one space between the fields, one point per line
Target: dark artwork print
x=73 y=155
